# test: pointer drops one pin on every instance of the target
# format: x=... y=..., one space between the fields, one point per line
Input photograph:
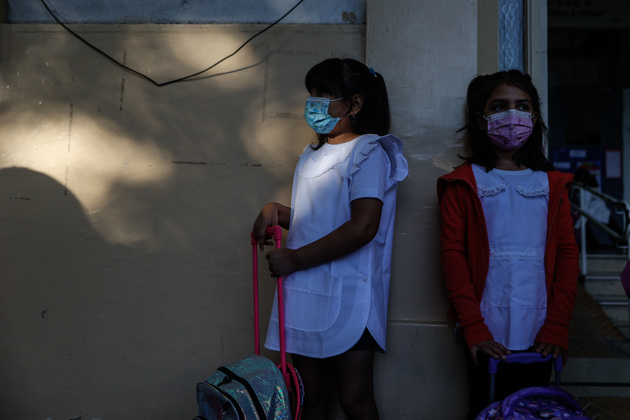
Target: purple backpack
x=535 y=403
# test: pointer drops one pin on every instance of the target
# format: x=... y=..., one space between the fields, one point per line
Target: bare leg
x=316 y=376
x=354 y=373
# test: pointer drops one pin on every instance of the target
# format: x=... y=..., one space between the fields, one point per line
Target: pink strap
x=276 y=233
x=256 y=316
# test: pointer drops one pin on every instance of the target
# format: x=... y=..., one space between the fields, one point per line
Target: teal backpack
x=252 y=388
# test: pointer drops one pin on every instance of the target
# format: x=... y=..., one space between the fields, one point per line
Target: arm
x=455 y=267
x=553 y=336
x=358 y=231
x=272 y=214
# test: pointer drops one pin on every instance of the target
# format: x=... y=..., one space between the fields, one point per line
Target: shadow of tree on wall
x=57 y=303
x=82 y=321
x=147 y=273
x=112 y=132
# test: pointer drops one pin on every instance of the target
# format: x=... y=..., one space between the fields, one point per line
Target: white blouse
x=327 y=308
x=515 y=205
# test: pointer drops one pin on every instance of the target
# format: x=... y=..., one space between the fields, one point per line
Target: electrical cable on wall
x=181 y=79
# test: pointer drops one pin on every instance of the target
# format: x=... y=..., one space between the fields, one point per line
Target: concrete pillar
x=427 y=52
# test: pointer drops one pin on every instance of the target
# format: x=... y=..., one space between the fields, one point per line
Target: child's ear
x=357 y=104
x=482 y=122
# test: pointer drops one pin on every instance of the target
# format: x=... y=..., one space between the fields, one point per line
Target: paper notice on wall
x=613 y=164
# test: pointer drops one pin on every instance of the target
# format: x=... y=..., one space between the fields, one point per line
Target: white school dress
x=515 y=206
x=327 y=308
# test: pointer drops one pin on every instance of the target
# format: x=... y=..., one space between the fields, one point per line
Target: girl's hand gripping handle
x=274 y=232
x=271 y=215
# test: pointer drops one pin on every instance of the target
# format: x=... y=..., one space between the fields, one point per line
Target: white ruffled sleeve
x=393 y=149
x=377 y=164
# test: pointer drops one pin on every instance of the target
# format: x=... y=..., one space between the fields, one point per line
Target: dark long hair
x=477 y=145
x=344 y=78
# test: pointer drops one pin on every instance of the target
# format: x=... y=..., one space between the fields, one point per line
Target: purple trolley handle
x=524 y=358
x=276 y=233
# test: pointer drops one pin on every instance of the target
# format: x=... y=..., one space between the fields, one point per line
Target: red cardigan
x=466 y=255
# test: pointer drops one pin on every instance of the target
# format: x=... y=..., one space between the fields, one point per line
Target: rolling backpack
x=254 y=388
x=532 y=403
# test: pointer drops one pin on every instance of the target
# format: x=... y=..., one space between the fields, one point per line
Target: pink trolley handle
x=276 y=233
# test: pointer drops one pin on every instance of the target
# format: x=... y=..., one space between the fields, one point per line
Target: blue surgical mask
x=316 y=114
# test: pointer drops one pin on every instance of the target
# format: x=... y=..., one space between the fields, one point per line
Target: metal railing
x=620 y=238
x=620 y=207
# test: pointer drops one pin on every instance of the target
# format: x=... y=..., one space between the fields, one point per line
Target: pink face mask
x=509 y=130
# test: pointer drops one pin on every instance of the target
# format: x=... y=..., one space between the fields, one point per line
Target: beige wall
x=125 y=208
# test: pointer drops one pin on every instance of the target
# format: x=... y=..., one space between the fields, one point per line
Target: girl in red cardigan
x=509 y=255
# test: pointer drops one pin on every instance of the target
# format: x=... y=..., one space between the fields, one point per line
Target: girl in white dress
x=509 y=257
x=336 y=263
